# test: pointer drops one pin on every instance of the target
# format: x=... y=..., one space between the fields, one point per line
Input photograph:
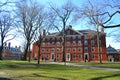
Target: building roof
x=111 y=50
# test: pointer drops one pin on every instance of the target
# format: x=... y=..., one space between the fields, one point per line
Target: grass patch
x=104 y=64
x=22 y=70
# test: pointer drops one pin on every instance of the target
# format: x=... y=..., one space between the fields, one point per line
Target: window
x=85 y=42
x=74 y=55
x=53 y=38
x=42 y=49
x=79 y=55
x=43 y=44
x=93 y=55
x=79 y=37
x=68 y=49
x=74 y=49
x=74 y=42
x=79 y=42
x=58 y=43
x=74 y=37
x=52 y=49
x=48 y=43
x=79 y=49
x=85 y=36
x=68 y=43
x=85 y=49
x=58 y=49
x=92 y=42
x=53 y=43
x=47 y=50
x=92 y=48
x=57 y=55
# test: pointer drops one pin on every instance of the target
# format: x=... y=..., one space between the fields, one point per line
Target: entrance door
x=52 y=56
x=68 y=57
x=86 y=56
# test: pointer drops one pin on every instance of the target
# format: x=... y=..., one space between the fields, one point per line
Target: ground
x=23 y=70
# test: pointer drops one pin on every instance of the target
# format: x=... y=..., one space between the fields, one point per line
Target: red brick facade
x=79 y=46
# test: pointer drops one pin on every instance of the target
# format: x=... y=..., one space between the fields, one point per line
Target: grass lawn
x=104 y=64
x=21 y=70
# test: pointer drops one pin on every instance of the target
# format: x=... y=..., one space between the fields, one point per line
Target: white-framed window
x=79 y=42
x=53 y=38
x=92 y=42
x=85 y=42
x=79 y=37
x=85 y=49
x=68 y=49
x=79 y=49
x=74 y=55
x=58 y=43
x=93 y=55
x=43 y=44
x=53 y=43
x=92 y=48
x=74 y=42
x=79 y=55
x=43 y=49
x=74 y=49
x=52 y=49
x=58 y=49
x=74 y=37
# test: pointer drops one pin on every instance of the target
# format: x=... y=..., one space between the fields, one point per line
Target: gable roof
x=111 y=50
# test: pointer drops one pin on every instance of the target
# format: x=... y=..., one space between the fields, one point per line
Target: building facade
x=80 y=45
x=11 y=53
x=112 y=54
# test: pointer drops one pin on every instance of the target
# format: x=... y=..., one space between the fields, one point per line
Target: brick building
x=112 y=54
x=11 y=53
x=80 y=45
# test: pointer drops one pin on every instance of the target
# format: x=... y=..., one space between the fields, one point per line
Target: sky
x=77 y=26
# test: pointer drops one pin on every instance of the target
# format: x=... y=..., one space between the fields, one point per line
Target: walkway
x=87 y=66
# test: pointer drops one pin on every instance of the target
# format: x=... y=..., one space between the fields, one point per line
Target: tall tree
x=28 y=18
x=60 y=16
x=43 y=26
x=6 y=28
x=95 y=16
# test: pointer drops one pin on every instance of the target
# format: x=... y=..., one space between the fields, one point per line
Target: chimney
x=44 y=32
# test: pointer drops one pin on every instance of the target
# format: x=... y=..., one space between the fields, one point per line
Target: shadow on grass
x=37 y=75
x=103 y=77
x=5 y=78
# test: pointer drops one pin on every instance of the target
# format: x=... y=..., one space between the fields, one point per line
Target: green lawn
x=104 y=64
x=21 y=70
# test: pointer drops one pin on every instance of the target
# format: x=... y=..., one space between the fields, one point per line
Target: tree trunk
x=29 y=53
x=1 y=50
x=98 y=42
x=39 y=55
x=25 y=52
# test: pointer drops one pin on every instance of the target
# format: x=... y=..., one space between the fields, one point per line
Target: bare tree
x=41 y=33
x=95 y=16
x=114 y=10
x=59 y=19
x=6 y=28
x=28 y=18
